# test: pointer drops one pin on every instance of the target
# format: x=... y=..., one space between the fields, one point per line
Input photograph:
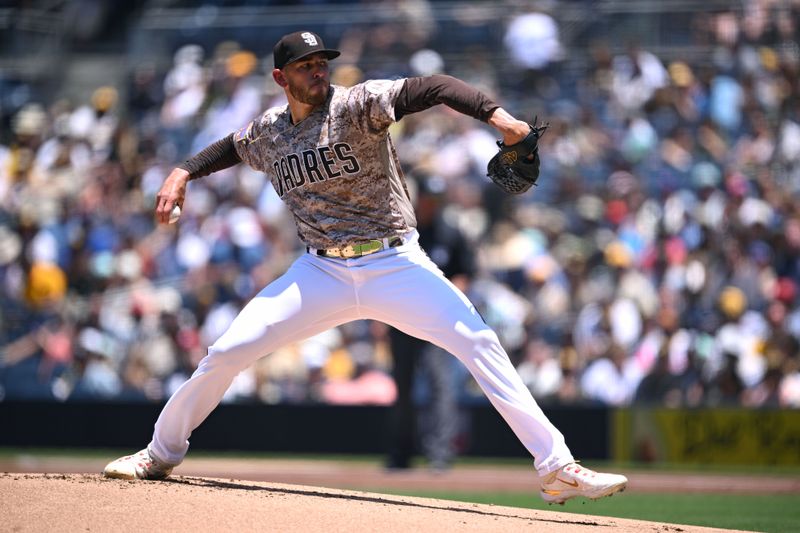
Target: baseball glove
x=512 y=168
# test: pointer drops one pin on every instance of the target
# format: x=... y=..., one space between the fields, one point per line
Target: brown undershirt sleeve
x=422 y=93
x=218 y=156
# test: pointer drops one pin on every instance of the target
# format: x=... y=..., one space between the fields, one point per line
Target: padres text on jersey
x=337 y=171
x=313 y=165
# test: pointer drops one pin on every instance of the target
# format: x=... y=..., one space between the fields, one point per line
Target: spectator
x=532 y=41
x=666 y=220
x=659 y=387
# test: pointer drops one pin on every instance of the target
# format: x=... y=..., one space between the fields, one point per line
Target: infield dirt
x=88 y=502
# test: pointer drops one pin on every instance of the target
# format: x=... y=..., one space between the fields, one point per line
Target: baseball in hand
x=175 y=214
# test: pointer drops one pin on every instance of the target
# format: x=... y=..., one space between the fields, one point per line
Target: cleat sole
x=118 y=475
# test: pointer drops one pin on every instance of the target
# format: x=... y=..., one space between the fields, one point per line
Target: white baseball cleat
x=141 y=465
x=573 y=480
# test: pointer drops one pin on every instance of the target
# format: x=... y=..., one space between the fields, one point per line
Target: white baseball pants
x=401 y=287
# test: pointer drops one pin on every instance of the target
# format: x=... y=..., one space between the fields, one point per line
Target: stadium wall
x=279 y=428
x=680 y=436
x=707 y=436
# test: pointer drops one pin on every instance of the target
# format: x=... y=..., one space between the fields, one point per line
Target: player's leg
x=311 y=297
x=408 y=291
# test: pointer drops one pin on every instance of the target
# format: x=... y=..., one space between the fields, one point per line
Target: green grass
x=768 y=513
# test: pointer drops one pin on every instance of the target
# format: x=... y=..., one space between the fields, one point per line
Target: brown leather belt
x=358 y=250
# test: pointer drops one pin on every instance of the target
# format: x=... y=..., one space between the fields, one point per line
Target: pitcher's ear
x=279 y=78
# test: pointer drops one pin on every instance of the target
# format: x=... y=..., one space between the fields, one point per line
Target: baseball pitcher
x=330 y=158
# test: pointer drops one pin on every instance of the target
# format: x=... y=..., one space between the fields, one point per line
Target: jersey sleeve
x=422 y=93
x=217 y=156
x=245 y=145
x=371 y=104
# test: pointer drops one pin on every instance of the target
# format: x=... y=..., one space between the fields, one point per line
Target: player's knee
x=480 y=340
x=486 y=339
x=217 y=360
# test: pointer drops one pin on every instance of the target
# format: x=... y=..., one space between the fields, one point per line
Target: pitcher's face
x=308 y=79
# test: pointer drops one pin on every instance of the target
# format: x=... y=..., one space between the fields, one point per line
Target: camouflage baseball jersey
x=337 y=170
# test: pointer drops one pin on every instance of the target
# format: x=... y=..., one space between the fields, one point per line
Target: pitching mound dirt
x=88 y=502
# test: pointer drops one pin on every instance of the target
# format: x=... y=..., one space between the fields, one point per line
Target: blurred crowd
x=657 y=262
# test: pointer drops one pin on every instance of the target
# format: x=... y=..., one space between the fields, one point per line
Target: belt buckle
x=356 y=250
x=371 y=246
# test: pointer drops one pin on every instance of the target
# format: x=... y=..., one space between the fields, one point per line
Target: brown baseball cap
x=298 y=45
